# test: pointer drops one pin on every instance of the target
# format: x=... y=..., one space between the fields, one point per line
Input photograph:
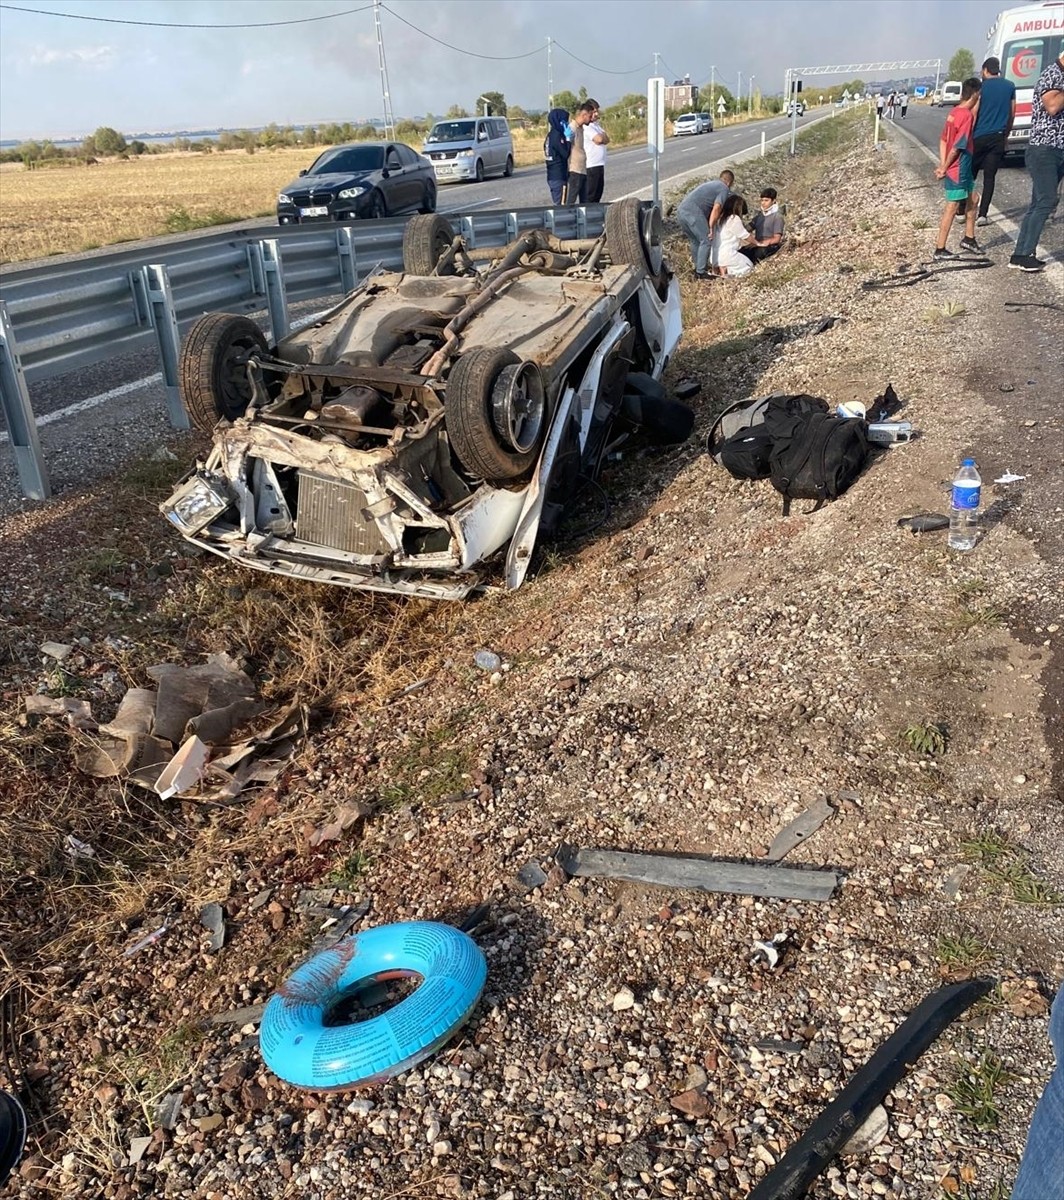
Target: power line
x=602 y=70
x=461 y=49
x=42 y=12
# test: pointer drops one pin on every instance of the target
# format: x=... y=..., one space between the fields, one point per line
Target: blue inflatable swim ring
x=301 y=1049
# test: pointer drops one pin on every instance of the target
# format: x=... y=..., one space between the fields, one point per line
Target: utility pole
x=750 y=109
x=657 y=71
x=739 y=95
x=550 y=74
x=712 y=89
x=389 y=120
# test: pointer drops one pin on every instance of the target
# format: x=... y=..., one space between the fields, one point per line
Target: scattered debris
x=251 y=1014
x=691 y=1103
x=947 y=311
x=185 y=770
x=144 y=942
x=1009 y=477
x=137 y=1147
x=924 y=522
x=1007 y=387
x=532 y=875
x=951 y=885
x=770 y=950
x=345 y=816
x=214 y=697
x=802 y=827
x=1024 y=997
x=168 y=1110
x=56 y=650
x=700 y=873
x=830 y=1131
x=871 y=1133
x=776 y=1046
x=686 y=389
x=213 y=918
x=77 y=713
x=487 y=660
x=624 y=1000
x=77 y=849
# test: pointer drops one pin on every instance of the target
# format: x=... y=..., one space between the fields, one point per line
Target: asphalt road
x=76 y=409
x=1012 y=191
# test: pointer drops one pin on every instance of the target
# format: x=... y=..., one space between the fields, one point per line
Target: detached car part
x=436 y=416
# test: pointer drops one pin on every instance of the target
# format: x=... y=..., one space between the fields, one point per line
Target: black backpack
x=796 y=442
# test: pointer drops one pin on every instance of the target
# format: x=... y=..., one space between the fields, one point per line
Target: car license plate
x=319 y=210
x=445 y=170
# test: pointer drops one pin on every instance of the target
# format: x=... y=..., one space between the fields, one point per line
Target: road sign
x=656 y=114
x=722 y=107
x=920 y=92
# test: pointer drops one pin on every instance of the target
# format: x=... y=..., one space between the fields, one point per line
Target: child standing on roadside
x=955 y=170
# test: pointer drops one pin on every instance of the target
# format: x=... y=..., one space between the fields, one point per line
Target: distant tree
x=516 y=113
x=962 y=65
x=138 y=147
x=309 y=136
x=364 y=133
x=496 y=103
x=89 y=147
x=227 y=140
x=408 y=131
x=582 y=95
x=567 y=100
x=330 y=134
x=109 y=141
x=456 y=112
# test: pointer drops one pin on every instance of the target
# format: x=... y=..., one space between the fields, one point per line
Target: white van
x=951 y=91
x=470 y=148
x=1026 y=40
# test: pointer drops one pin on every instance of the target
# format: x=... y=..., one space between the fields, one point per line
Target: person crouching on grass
x=955 y=170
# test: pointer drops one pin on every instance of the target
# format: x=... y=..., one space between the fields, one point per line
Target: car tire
x=633 y=237
x=428 y=200
x=425 y=239
x=508 y=170
x=480 y=170
x=212 y=371
x=482 y=442
x=377 y=207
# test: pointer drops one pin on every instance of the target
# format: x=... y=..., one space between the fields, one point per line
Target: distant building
x=682 y=93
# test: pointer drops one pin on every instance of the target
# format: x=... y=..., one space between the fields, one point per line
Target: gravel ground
x=688 y=677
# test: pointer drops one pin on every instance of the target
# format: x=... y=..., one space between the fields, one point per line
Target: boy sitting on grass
x=955 y=170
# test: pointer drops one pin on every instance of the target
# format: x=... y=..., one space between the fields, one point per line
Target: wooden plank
x=698 y=873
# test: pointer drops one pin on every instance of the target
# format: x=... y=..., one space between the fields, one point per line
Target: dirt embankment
x=688 y=673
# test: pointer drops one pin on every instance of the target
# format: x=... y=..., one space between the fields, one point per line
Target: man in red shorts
x=955 y=171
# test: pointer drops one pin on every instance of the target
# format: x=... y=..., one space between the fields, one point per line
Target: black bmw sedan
x=362 y=179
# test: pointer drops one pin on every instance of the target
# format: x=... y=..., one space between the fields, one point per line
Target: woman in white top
x=731 y=234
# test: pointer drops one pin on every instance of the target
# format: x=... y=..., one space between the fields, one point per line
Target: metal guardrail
x=59 y=318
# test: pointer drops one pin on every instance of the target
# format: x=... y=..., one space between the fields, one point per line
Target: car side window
x=406 y=156
x=391 y=159
x=482 y=133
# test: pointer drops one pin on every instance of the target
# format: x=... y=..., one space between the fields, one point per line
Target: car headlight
x=351 y=193
x=195 y=504
x=465 y=153
x=283 y=199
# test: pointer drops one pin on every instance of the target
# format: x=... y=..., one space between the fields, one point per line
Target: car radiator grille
x=441 y=155
x=330 y=514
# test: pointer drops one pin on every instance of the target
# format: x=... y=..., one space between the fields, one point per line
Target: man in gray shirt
x=768 y=229
x=699 y=213
x=577 y=193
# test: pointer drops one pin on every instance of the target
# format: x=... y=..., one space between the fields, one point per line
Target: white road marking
x=474 y=204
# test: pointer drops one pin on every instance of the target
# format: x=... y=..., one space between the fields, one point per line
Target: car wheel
x=377 y=207
x=425 y=239
x=480 y=171
x=496 y=414
x=213 y=368
x=508 y=170
x=428 y=200
x=635 y=237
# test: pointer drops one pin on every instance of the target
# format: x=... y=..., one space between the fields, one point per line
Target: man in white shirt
x=595 y=141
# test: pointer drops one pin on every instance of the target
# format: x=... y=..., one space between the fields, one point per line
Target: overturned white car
x=436 y=416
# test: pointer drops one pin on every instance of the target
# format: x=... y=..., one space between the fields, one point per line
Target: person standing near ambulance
x=997 y=112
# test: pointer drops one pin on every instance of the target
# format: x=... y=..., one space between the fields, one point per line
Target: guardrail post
x=511 y=226
x=15 y=401
x=548 y=220
x=345 y=248
x=164 y=322
x=581 y=222
x=469 y=232
x=273 y=277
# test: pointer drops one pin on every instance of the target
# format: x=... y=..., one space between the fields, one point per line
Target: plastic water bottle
x=964 y=505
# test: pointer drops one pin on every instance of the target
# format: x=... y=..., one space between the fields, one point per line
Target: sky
x=65 y=76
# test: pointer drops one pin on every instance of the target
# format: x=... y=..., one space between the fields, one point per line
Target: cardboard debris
x=78 y=714
x=345 y=816
x=56 y=650
x=190 y=693
x=184 y=771
x=123 y=757
x=135 y=714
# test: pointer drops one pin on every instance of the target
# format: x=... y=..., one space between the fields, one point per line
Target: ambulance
x=1026 y=40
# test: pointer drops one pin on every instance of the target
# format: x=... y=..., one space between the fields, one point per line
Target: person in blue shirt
x=556 y=148
x=997 y=111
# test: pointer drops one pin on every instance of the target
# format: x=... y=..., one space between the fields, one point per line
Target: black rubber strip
x=893 y=281
x=803 y=1162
